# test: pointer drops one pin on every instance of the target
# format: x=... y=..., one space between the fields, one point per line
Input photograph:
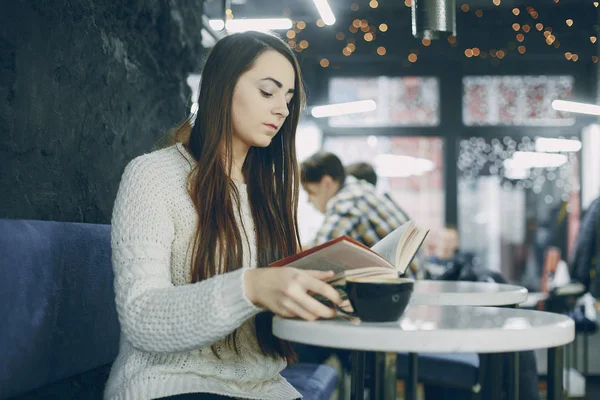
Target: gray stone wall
x=84 y=88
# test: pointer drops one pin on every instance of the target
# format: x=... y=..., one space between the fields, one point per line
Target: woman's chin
x=264 y=142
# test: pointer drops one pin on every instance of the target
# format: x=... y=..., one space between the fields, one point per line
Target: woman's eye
x=265 y=94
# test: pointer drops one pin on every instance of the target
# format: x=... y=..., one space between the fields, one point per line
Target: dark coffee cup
x=379 y=299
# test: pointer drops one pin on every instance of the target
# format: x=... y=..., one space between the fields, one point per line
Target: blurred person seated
x=449 y=263
x=446 y=253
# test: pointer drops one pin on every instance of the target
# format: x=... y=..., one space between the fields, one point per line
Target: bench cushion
x=313 y=381
x=56 y=303
x=450 y=369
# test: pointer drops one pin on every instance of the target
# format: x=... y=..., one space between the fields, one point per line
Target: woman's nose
x=282 y=110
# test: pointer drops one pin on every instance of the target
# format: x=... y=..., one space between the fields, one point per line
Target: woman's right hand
x=285 y=292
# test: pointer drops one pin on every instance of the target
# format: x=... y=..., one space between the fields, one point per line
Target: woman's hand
x=285 y=292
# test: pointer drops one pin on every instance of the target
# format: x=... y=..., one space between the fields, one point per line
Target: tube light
x=325 y=11
x=352 y=107
x=553 y=145
x=241 y=25
x=574 y=107
x=399 y=166
x=532 y=159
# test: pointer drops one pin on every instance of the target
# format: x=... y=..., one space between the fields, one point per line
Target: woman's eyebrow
x=276 y=82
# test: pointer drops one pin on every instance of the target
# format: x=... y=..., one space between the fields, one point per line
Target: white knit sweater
x=167 y=323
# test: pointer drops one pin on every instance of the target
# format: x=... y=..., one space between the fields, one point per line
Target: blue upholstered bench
x=314 y=381
x=59 y=331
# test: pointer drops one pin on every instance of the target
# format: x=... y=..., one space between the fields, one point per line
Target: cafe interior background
x=461 y=125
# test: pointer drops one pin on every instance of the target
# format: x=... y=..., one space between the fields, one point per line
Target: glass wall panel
x=516 y=198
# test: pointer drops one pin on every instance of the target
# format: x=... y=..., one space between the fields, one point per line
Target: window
x=516 y=100
x=401 y=101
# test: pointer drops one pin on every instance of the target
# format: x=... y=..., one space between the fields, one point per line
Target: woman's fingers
x=305 y=284
x=321 y=275
x=294 y=309
x=315 y=307
x=324 y=289
x=288 y=292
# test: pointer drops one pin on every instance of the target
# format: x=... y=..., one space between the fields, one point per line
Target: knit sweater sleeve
x=155 y=315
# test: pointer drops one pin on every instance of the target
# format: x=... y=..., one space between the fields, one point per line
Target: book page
x=339 y=257
x=409 y=248
x=388 y=246
x=368 y=272
x=400 y=246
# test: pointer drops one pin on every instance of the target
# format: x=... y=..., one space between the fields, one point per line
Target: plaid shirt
x=358 y=211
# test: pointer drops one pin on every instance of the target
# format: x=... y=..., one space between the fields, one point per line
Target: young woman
x=193 y=225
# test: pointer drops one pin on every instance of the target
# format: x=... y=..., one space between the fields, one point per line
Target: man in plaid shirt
x=352 y=207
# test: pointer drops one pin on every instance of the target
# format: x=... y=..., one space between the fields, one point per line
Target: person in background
x=365 y=171
x=446 y=253
x=195 y=224
x=351 y=206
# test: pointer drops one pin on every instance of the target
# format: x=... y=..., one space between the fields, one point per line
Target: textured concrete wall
x=84 y=88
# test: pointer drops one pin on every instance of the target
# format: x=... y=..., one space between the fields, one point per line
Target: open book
x=347 y=258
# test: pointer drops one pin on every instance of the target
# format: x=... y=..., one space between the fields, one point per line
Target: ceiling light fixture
x=241 y=25
x=532 y=159
x=574 y=107
x=325 y=11
x=400 y=166
x=555 y=145
x=430 y=17
x=352 y=107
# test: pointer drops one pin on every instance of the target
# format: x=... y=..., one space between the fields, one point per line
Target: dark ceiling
x=488 y=30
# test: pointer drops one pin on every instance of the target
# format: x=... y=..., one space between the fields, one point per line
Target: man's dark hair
x=362 y=170
x=320 y=164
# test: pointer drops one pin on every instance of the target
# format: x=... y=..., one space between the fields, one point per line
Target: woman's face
x=260 y=100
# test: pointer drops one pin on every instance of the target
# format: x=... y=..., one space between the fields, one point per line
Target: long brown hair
x=271 y=174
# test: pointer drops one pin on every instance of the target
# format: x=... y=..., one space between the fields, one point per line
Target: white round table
x=440 y=329
x=455 y=293
x=462 y=293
